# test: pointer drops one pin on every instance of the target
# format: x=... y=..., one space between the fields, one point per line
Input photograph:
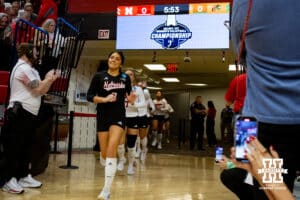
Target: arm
x=92 y=94
x=202 y=111
x=31 y=79
x=141 y=102
x=42 y=87
x=130 y=95
x=165 y=105
x=149 y=100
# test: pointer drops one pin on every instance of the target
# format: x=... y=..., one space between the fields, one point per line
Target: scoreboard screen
x=173 y=26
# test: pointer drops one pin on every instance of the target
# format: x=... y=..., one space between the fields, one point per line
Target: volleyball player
x=132 y=119
x=160 y=104
x=166 y=126
x=108 y=90
x=144 y=121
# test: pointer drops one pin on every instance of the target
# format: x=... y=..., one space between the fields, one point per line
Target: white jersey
x=22 y=74
x=132 y=110
x=168 y=110
x=149 y=103
x=160 y=106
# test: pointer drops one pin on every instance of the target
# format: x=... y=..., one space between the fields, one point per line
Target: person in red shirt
x=236 y=92
x=210 y=124
x=48 y=9
x=25 y=32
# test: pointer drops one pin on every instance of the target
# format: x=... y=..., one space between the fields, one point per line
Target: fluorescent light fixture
x=232 y=67
x=155 y=67
x=196 y=84
x=153 y=88
x=171 y=80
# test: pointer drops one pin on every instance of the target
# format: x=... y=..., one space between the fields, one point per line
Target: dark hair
x=210 y=104
x=25 y=49
x=120 y=54
x=103 y=66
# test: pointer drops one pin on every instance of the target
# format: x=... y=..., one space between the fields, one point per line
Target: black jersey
x=104 y=84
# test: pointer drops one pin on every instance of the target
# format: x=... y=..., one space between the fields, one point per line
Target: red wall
x=110 y=6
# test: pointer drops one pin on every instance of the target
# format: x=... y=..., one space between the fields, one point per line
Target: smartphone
x=219 y=154
x=244 y=128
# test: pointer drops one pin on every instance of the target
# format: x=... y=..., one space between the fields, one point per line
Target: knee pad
x=131 y=140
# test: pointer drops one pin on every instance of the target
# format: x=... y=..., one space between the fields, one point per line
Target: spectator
x=234 y=179
x=5 y=29
x=226 y=122
x=15 y=7
x=210 y=124
x=25 y=32
x=48 y=9
x=29 y=8
x=54 y=49
x=236 y=92
x=198 y=113
x=20 y=120
x=256 y=154
x=5 y=41
x=273 y=84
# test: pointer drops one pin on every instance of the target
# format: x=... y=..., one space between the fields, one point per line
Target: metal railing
x=60 y=50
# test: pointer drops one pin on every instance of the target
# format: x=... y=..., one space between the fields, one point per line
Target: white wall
x=84 y=130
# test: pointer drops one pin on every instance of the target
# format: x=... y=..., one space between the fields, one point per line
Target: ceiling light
x=232 y=67
x=197 y=84
x=171 y=80
x=153 y=88
x=155 y=67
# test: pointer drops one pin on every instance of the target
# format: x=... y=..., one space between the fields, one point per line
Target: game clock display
x=173 y=26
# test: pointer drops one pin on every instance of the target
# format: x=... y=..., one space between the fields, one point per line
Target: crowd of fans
x=33 y=11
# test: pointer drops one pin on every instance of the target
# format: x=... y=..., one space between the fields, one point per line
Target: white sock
x=102 y=160
x=121 y=152
x=159 y=137
x=110 y=171
x=144 y=142
x=138 y=144
x=154 y=133
x=131 y=152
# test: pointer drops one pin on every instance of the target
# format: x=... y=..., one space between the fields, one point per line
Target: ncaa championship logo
x=272 y=171
x=171 y=35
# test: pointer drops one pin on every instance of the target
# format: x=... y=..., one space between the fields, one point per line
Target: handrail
x=68 y=24
x=27 y=32
x=32 y=25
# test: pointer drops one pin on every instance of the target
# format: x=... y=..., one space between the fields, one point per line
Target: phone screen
x=244 y=128
x=219 y=154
